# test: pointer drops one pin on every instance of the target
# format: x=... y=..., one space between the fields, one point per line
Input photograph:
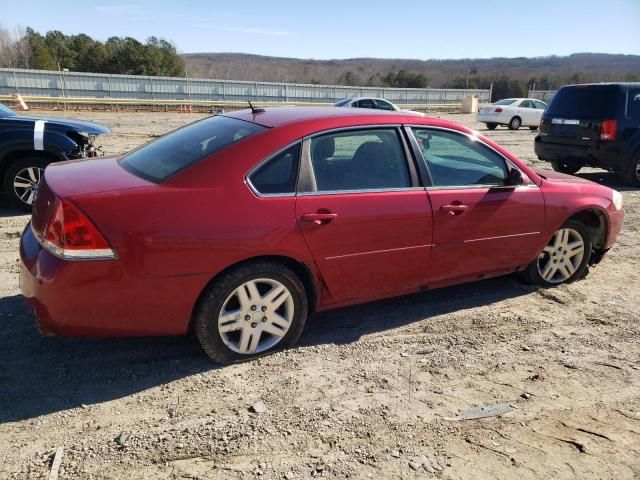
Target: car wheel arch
x=8 y=158
x=312 y=283
x=595 y=220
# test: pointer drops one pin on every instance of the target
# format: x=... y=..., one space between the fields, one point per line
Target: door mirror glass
x=515 y=177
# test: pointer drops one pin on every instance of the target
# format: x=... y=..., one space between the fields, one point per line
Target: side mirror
x=514 y=178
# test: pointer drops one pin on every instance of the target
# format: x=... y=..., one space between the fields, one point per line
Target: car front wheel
x=252 y=310
x=21 y=182
x=564 y=259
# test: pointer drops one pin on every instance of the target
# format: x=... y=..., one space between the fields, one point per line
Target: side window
x=454 y=159
x=366 y=103
x=539 y=105
x=382 y=105
x=526 y=104
x=359 y=160
x=633 y=104
x=279 y=174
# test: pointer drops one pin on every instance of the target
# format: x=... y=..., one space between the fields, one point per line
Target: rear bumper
x=99 y=298
x=489 y=118
x=609 y=157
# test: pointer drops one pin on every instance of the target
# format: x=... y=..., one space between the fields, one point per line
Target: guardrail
x=78 y=85
x=543 y=95
x=115 y=104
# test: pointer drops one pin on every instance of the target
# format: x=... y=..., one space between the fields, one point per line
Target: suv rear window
x=161 y=158
x=588 y=101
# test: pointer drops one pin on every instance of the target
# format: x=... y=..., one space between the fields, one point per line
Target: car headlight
x=616 y=198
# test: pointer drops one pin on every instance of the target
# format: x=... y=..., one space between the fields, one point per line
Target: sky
x=325 y=29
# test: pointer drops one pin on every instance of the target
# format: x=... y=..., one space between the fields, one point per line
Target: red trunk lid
x=81 y=177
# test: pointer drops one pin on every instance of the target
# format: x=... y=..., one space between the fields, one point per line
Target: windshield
x=6 y=111
x=161 y=158
x=583 y=101
x=506 y=101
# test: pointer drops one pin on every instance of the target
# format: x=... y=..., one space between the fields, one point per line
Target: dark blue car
x=28 y=144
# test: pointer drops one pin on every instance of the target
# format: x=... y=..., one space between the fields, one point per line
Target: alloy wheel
x=256 y=316
x=26 y=182
x=562 y=256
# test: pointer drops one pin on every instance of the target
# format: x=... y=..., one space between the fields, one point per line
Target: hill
x=546 y=72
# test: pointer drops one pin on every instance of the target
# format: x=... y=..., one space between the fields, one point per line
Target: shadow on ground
x=41 y=375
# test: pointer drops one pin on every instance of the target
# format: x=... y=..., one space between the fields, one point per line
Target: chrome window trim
x=306 y=159
x=254 y=190
x=369 y=190
x=474 y=137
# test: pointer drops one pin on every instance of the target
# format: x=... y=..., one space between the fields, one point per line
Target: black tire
x=514 y=123
x=533 y=129
x=17 y=173
x=491 y=126
x=212 y=302
x=566 y=166
x=632 y=174
x=531 y=274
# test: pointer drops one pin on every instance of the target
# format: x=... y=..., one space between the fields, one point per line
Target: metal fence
x=57 y=84
x=543 y=95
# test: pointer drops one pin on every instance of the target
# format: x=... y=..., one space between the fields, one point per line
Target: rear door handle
x=454 y=209
x=319 y=218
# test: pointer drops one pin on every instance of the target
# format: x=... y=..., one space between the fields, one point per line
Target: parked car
x=596 y=125
x=512 y=112
x=240 y=226
x=28 y=144
x=374 y=103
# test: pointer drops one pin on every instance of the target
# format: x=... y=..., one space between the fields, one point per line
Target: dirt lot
x=368 y=390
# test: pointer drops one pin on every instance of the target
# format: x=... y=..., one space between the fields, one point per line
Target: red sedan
x=242 y=225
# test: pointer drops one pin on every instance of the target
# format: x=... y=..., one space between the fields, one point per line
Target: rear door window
x=359 y=160
x=382 y=105
x=161 y=158
x=539 y=105
x=526 y=104
x=366 y=103
x=584 y=102
x=633 y=104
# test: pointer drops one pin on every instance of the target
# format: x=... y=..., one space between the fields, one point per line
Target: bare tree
x=15 y=51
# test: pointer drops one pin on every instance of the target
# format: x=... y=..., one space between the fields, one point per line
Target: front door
x=481 y=224
x=366 y=221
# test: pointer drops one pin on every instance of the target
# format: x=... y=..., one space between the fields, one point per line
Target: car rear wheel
x=632 y=175
x=564 y=259
x=566 y=166
x=21 y=182
x=514 y=123
x=251 y=311
x=492 y=126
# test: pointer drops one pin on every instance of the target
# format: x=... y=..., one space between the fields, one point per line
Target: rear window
x=592 y=101
x=506 y=101
x=342 y=102
x=161 y=158
x=633 y=104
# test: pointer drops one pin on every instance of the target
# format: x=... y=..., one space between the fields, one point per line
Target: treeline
x=54 y=50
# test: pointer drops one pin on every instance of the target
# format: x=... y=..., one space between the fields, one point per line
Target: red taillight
x=608 y=130
x=498 y=110
x=70 y=234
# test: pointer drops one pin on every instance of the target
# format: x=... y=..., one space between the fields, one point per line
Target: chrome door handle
x=454 y=209
x=319 y=218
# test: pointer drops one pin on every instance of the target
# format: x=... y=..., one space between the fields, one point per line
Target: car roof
x=279 y=116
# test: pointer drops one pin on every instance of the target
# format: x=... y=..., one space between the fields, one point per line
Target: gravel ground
x=373 y=391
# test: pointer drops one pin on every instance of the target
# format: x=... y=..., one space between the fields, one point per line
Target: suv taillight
x=71 y=235
x=608 y=130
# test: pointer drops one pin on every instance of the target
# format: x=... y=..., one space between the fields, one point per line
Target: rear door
x=528 y=114
x=365 y=218
x=481 y=224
